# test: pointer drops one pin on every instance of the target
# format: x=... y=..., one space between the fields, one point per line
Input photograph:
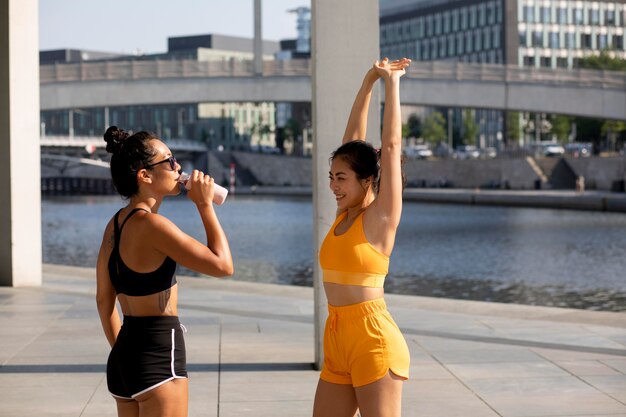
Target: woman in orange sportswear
x=366 y=358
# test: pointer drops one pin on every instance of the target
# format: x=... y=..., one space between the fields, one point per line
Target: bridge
x=590 y=93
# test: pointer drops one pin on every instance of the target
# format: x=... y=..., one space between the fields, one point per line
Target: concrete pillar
x=345 y=43
x=258 y=39
x=20 y=205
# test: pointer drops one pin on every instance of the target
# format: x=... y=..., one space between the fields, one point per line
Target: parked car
x=418 y=152
x=552 y=149
x=579 y=149
x=466 y=152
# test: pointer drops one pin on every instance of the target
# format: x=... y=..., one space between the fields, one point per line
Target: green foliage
x=434 y=130
x=561 y=126
x=513 y=126
x=414 y=126
x=602 y=62
x=470 y=128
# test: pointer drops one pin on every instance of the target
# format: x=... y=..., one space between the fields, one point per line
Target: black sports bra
x=128 y=282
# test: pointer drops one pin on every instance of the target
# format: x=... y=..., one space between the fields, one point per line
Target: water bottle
x=219 y=192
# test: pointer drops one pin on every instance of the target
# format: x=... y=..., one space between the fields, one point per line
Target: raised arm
x=357 y=122
x=214 y=258
x=388 y=204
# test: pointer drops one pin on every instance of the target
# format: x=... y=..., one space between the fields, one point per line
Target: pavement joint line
x=516 y=342
x=417 y=332
x=191 y=367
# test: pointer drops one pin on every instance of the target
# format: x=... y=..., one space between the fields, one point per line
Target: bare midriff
x=160 y=304
x=342 y=295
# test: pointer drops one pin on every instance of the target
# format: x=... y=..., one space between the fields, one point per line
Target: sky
x=143 y=26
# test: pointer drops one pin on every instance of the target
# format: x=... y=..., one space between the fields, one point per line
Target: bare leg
x=127 y=408
x=334 y=400
x=382 y=398
x=169 y=400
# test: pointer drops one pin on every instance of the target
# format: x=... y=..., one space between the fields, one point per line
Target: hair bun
x=115 y=137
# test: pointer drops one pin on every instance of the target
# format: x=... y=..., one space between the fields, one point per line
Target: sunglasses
x=172 y=161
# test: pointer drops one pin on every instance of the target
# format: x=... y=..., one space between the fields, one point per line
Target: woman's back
x=143 y=278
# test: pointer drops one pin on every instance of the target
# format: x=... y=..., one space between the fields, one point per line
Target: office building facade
x=530 y=33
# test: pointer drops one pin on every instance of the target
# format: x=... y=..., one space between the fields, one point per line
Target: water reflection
x=528 y=256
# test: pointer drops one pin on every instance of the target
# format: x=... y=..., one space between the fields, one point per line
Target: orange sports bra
x=350 y=259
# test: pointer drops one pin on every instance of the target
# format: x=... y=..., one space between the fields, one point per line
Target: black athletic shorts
x=148 y=352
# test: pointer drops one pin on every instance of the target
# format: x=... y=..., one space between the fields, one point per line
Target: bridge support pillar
x=345 y=41
x=20 y=205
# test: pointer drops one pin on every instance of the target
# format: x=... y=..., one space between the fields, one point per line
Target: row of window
x=570 y=40
x=574 y=16
x=494 y=56
x=458 y=44
x=464 y=18
x=549 y=62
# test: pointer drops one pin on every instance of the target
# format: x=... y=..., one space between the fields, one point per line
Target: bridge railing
x=459 y=71
x=131 y=70
x=431 y=70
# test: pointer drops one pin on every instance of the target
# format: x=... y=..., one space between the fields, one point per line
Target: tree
x=593 y=130
x=414 y=126
x=602 y=62
x=561 y=127
x=434 y=130
x=612 y=130
x=470 y=128
x=512 y=127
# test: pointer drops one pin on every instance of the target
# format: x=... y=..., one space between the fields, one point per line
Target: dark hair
x=131 y=153
x=364 y=160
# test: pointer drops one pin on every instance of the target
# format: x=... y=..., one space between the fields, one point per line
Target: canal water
x=514 y=255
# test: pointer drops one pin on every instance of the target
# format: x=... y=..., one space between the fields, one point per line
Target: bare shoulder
x=156 y=224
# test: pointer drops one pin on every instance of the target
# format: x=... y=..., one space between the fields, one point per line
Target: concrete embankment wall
x=603 y=174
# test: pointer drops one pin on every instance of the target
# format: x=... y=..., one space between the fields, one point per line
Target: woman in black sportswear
x=146 y=369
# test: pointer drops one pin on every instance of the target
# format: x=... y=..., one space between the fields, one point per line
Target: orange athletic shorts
x=362 y=343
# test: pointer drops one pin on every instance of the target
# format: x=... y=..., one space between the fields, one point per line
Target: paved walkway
x=250 y=349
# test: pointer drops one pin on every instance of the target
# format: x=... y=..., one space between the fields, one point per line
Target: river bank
x=554 y=199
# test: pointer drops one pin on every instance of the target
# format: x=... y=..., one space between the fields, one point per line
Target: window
x=429 y=26
x=477 y=40
x=442 y=47
x=496 y=37
x=618 y=42
x=602 y=41
x=545 y=62
x=459 y=43
x=529 y=61
x=570 y=40
x=438 y=24
x=464 y=18
x=468 y=42
x=538 y=39
x=585 y=41
x=578 y=16
x=446 y=22
x=529 y=14
x=486 y=38
x=451 y=51
x=562 y=16
x=546 y=15
x=455 y=20
x=594 y=17
x=561 y=62
x=522 y=38
x=491 y=15
x=609 y=17
x=473 y=17
x=555 y=40
x=482 y=15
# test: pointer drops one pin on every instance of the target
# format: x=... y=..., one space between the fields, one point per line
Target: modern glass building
x=531 y=33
